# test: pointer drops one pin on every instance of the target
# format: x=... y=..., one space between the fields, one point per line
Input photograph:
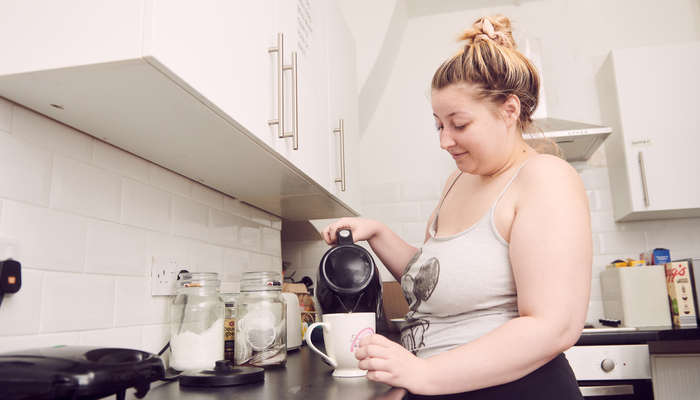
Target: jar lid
x=261 y=280
x=198 y=279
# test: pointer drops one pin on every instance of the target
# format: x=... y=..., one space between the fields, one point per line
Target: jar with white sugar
x=197 y=322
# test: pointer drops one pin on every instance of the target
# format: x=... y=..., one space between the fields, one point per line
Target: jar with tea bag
x=261 y=321
x=197 y=322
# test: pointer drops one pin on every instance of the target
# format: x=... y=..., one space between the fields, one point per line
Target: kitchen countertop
x=638 y=336
x=305 y=376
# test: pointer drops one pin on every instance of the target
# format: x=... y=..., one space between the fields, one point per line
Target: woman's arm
x=551 y=256
x=392 y=251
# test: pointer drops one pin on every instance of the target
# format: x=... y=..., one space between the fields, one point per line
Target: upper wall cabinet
x=232 y=94
x=649 y=96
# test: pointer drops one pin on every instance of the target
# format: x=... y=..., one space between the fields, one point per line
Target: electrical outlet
x=164 y=271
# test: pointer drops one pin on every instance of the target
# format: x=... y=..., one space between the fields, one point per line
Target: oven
x=617 y=372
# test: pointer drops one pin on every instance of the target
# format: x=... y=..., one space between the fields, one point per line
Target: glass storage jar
x=261 y=321
x=197 y=322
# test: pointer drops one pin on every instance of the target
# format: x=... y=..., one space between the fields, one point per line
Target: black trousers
x=553 y=381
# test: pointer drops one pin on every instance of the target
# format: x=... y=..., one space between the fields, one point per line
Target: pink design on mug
x=361 y=334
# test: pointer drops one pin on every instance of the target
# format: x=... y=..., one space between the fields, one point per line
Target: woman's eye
x=438 y=127
x=461 y=127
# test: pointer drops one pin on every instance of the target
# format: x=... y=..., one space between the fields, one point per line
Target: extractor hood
x=578 y=141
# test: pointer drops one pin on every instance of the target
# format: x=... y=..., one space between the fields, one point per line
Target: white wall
x=89 y=217
x=403 y=168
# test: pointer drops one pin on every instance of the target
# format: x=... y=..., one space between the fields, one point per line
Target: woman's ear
x=511 y=109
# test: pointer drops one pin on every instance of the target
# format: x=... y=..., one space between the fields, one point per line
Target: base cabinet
x=648 y=95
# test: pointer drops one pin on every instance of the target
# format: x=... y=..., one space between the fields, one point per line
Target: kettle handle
x=344 y=237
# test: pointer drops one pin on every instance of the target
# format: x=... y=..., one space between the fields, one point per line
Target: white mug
x=342 y=334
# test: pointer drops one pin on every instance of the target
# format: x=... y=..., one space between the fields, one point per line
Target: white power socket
x=9 y=248
x=164 y=271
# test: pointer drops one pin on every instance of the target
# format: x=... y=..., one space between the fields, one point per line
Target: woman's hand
x=388 y=362
x=362 y=229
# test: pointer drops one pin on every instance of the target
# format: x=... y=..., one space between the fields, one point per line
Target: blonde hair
x=495 y=70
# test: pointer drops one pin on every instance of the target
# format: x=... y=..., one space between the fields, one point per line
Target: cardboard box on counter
x=680 y=293
x=657 y=256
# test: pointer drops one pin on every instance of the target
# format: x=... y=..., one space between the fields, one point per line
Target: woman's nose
x=446 y=139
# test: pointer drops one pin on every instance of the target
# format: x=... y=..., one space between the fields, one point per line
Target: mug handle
x=326 y=327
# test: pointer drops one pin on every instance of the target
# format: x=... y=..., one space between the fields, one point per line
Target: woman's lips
x=458 y=155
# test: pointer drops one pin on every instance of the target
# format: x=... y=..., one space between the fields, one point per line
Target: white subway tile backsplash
x=49 y=240
x=29 y=126
x=260 y=216
x=113 y=249
x=407 y=211
x=423 y=190
x=112 y=213
x=680 y=239
x=234 y=206
x=190 y=219
x=622 y=242
x=235 y=263
x=250 y=236
x=207 y=258
x=168 y=246
x=114 y=159
x=603 y=199
x=595 y=178
x=223 y=228
x=311 y=257
x=25 y=171
x=146 y=207
x=371 y=211
x=134 y=305
x=603 y=221
x=80 y=188
x=76 y=302
x=170 y=181
x=5 y=115
x=208 y=196
x=380 y=193
x=413 y=232
x=128 y=338
x=25 y=342
x=427 y=208
x=155 y=337
x=271 y=241
x=20 y=311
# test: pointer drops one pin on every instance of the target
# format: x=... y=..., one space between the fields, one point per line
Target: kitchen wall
x=403 y=168
x=89 y=218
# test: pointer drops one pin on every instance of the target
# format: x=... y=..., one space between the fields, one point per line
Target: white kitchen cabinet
x=342 y=83
x=649 y=96
x=188 y=85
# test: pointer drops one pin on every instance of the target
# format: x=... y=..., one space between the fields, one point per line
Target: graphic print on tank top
x=416 y=291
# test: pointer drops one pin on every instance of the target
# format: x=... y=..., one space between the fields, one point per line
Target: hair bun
x=495 y=28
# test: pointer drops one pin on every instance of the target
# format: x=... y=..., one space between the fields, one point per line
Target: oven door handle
x=610 y=390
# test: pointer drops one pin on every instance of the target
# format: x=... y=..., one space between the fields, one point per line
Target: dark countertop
x=639 y=336
x=304 y=377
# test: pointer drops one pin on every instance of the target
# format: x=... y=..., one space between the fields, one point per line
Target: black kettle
x=348 y=280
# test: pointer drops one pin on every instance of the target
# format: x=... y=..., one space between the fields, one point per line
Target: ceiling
x=420 y=8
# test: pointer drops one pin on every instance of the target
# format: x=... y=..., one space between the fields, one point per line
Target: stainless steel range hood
x=578 y=141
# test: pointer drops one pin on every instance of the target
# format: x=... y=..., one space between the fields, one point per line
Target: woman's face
x=472 y=131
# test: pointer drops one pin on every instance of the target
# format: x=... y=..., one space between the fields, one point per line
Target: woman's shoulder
x=546 y=172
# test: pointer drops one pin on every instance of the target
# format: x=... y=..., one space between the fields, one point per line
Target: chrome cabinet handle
x=279 y=49
x=341 y=131
x=644 y=179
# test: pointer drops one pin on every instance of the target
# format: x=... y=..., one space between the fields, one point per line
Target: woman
x=501 y=285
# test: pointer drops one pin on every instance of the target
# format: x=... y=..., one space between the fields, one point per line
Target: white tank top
x=459 y=287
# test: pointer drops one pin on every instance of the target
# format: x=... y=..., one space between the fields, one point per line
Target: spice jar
x=229 y=300
x=261 y=321
x=197 y=322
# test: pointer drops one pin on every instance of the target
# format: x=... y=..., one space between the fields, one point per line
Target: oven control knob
x=607 y=365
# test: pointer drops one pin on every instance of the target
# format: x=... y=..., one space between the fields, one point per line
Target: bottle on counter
x=197 y=322
x=229 y=300
x=261 y=321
